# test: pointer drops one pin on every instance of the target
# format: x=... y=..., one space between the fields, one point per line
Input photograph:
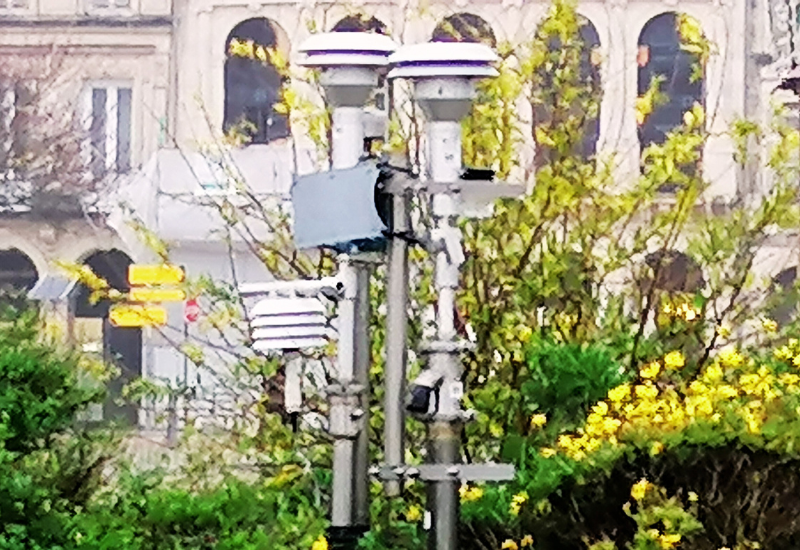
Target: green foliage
x=47 y=469
x=145 y=512
x=564 y=379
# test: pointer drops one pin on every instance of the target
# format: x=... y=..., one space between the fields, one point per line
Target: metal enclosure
x=337 y=210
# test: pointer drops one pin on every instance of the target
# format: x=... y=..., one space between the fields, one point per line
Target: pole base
x=345 y=537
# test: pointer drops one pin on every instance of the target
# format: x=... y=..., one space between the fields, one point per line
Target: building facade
x=152 y=84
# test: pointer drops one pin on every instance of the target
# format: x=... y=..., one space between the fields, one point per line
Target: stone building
x=149 y=83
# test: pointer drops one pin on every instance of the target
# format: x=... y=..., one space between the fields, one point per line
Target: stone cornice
x=94 y=49
x=89 y=21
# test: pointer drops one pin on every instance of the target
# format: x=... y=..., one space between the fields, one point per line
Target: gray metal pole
x=444 y=432
x=363 y=360
x=344 y=447
x=351 y=455
x=396 y=346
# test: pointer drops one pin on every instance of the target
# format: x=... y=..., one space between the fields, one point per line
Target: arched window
x=121 y=346
x=253 y=83
x=464 y=27
x=661 y=56
x=17 y=271
x=360 y=23
x=17 y=276
x=547 y=93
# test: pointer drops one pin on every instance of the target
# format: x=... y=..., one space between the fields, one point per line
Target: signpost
x=146 y=281
x=130 y=316
x=146 y=294
x=164 y=274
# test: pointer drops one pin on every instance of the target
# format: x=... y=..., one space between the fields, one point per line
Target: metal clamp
x=445 y=472
x=346 y=417
x=446 y=346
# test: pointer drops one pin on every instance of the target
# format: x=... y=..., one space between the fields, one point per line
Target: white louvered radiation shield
x=289 y=323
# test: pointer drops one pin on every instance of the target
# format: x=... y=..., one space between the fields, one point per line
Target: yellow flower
x=651 y=370
x=547 y=452
x=648 y=391
x=713 y=373
x=796 y=361
x=601 y=408
x=639 y=489
x=769 y=325
x=520 y=498
x=527 y=540
x=693 y=496
x=687 y=312
x=731 y=358
x=674 y=360
x=619 y=393
x=412 y=514
x=472 y=494
x=669 y=541
x=656 y=448
x=509 y=545
x=783 y=353
x=320 y=544
x=538 y=420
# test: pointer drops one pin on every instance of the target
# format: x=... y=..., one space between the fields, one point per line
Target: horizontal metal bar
x=444 y=472
x=289 y=343
x=473 y=188
x=301 y=286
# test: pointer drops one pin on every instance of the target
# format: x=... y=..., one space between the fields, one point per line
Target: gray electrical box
x=338 y=209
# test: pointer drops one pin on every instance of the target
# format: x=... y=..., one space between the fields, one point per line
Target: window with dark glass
x=110 y=129
x=253 y=84
x=660 y=56
x=18 y=275
x=464 y=27
x=360 y=23
x=547 y=95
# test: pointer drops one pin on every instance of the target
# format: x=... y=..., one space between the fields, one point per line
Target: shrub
x=47 y=468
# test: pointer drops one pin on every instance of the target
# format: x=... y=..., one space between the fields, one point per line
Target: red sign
x=191 y=312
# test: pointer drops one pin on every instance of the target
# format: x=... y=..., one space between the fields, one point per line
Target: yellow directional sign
x=127 y=315
x=145 y=294
x=155 y=274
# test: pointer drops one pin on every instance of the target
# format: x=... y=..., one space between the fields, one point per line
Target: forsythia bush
x=723 y=438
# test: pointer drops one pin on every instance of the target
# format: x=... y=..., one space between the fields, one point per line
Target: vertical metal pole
x=343 y=448
x=351 y=456
x=749 y=171
x=444 y=432
x=362 y=361
x=347 y=136
x=185 y=374
x=396 y=336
